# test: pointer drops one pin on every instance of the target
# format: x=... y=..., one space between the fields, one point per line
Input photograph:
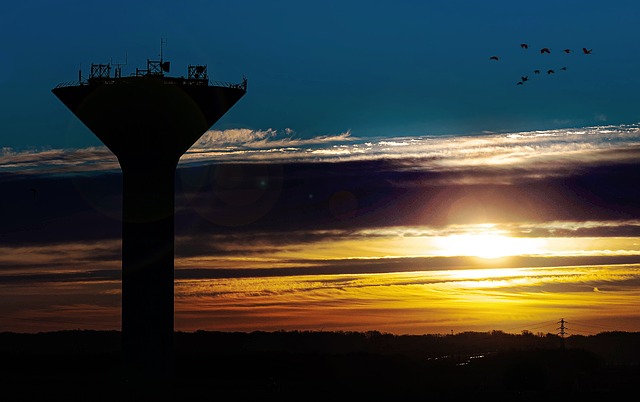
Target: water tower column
x=147 y=268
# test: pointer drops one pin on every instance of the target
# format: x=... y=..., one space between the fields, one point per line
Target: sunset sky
x=381 y=173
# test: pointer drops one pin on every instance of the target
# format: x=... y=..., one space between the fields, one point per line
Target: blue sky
x=372 y=68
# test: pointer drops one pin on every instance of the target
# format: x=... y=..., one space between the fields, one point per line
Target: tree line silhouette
x=84 y=365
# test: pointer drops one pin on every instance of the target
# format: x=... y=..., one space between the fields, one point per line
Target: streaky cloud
x=533 y=152
x=262 y=139
x=58 y=161
x=403 y=264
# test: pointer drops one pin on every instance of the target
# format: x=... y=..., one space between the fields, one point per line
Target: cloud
x=59 y=257
x=533 y=153
x=270 y=138
x=312 y=252
x=57 y=161
x=348 y=204
x=405 y=300
x=450 y=152
x=231 y=199
x=617 y=228
x=389 y=249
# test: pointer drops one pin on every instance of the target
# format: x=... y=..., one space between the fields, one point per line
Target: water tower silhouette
x=148 y=120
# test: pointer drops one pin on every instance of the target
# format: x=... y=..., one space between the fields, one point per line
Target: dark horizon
x=286 y=364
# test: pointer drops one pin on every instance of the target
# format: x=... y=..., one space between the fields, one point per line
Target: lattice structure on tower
x=198 y=72
x=100 y=71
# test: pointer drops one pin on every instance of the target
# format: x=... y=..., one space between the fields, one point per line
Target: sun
x=486 y=245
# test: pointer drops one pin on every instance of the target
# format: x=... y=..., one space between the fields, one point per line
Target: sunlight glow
x=487 y=245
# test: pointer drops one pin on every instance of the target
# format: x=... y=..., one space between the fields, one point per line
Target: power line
x=533 y=326
x=546 y=324
x=578 y=323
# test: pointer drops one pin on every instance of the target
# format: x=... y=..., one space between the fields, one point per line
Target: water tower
x=148 y=120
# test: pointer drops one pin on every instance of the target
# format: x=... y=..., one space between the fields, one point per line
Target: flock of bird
x=544 y=50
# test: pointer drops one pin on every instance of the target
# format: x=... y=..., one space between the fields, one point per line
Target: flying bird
x=564 y=69
x=519 y=83
x=586 y=51
x=493 y=58
x=545 y=50
x=524 y=46
x=550 y=72
x=526 y=77
x=536 y=71
x=567 y=50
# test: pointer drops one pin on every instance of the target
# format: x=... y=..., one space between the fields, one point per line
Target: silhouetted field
x=86 y=366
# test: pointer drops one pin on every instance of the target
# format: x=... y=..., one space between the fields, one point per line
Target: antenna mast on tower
x=162 y=42
x=118 y=69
